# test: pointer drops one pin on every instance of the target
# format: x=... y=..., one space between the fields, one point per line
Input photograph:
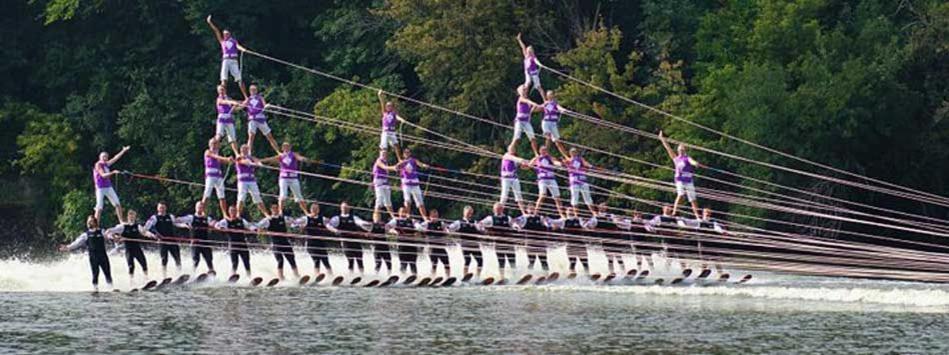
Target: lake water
x=47 y=308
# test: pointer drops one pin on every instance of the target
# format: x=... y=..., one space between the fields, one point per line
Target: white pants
x=226 y=129
x=687 y=189
x=576 y=191
x=388 y=139
x=510 y=185
x=528 y=79
x=253 y=126
x=410 y=193
x=523 y=127
x=102 y=194
x=215 y=184
x=243 y=188
x=544 y=186
x=383 y=196
x=294 y=186
x=550 y=129
x=230 y=66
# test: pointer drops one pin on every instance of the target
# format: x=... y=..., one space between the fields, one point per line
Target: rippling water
x=774 y=314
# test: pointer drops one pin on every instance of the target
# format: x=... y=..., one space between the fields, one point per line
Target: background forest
x=858 y=85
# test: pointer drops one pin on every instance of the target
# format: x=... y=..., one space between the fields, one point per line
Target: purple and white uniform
x=389 y=121
x=256 y=120
x=380 y=184
x=103 y=186
x=546 y=181
x=213 y=178
x=578 y=182
x=290 y=176
x=522 y=120
x=509 y=181
x=551 y=119
x=410 y=183
x=246 y=182
x=225 y=119
x=229 y=53
x=684 y=171
x=532 y=72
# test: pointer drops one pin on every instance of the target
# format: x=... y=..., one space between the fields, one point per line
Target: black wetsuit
x=237 y=240
x=501 y=228
x=573 y=227
x=165 y=228
x=98 y=257
x=201 y=247
x=408 y=254
x=535 y=229
x=317 y=248
x=470 y=241
x=382 y=250
x=132 y=238
x=671 y=241
x=351 y=248
x=280 y=243
x=438 y=241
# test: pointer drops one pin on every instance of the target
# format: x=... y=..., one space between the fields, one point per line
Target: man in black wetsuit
x=468 y=232
x=276 y=227
x=435 y=234
x=407 y=234
x=132 y=235
x=569 y=228
x=352 y=228
x=94 y=241
x=163 y=225
x=536 y=231
x=382 y=250
x=200 y=225
x=314 y=226
x=499 y=225
x=237 y=237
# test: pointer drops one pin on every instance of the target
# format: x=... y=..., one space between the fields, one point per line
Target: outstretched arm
x=271 y=160
x=118 y=155
x=306 y=160
x=520 y=43
x=217 y=32
x=666 y=145
x=220 y=158
x=382 y=101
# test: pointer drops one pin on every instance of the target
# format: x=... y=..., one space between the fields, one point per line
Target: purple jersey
x=101 y=181
x=545 y=168
x=409 y=172
x=530 y=66
x=523 y=111
x=508 y=168
x=551 y=111
x=388 y=121
x=224 y=110
x=255 y=108
x=212 y=167
x=684 y=169
x=229 y=48
x=575 y=168
x=380 y=177
x=289 y=167
x=245 y=171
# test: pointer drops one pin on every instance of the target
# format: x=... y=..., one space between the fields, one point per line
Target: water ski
x=409 y=280
x=659 y=281
x=553 y=277
x=338 y=280
x=467 y=277
x=389 y=282
x=355 y=281
x=609 y=277
x=571 y=276
x=501 y=282
x=163 y=283
x=676 y=281
x=631 y=273
x=449 y=281
x=273 y=282
x=319 y=278
x=487 y=281
x=373 y=283
x=642 y=275
x=256 y=281
x=437 y=281
x=686 y=273
x=595 y=277
x=744 y=279
x=233 y=278
x=150 y=285
x=201 y=278
x=527 y=278
x=724 y=277
x=424 y=282
x=704 y=273
x=540 y=280
x=304 y=280
x=211 y=273
x=134 y=290
x=181 y=280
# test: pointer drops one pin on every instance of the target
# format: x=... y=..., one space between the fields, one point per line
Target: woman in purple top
x=256 y=120
x=229 y=53
x=411 y=191
x=213 y=175
x=101 y=177
x=531 y=66
x=549 y=126
x=289 y=163
x=390 y=118
x=576 y=170
x=522 y=119
x=247 y=182
x=546 y=180
x=224 y=126
x=380 y=184
x=509 y=181
x=684 y=170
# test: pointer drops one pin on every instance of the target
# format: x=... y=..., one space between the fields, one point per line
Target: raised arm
x=217 y=32
x=118 y=155
x=519 y=42
x=271 y=160
x=382 y=101
x=305 y=159
x=665 y=144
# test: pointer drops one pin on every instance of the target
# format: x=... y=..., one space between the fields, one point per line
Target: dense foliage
x=860 y=85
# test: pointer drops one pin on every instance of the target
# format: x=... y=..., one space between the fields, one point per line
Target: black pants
x=100 y=261
x=578 y=252
x=281 y=252
x=542 y=255
x=172 y=249
x=134 y=253
x=439 y=252
x=244 y=255
x=408 y=255
x=383 y=254
x=198 y=252
x=319 y=252
x=353 y=252
x=470 y=247
x=505 y=252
